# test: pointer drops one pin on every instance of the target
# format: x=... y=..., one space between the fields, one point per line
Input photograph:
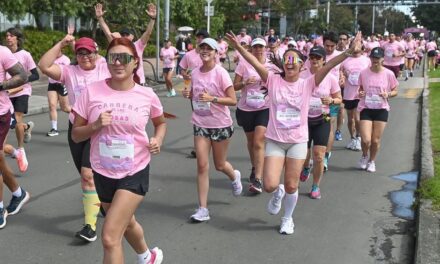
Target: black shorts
x=137 y=183
x=351 y=104
x=432 y=53
x=374 y=115
x=215 y=134
x=20 y=103
x=167 y=70
x=5 y=121
x=80 y=151
x=57 y=87
x=394 y=69
x=250 y=120
x=319 y=131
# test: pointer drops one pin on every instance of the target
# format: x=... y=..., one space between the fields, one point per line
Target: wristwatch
x=215 y=100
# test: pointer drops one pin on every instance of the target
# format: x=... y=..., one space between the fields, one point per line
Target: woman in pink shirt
x=20 y=96
x=377 y=85
x=211 y=93
x=253 y=111
x=326 y=94
x=113 y=114
x=410 y=55
x=287 y=132
x=168 y=56
x=431 y=49
x=76 y=78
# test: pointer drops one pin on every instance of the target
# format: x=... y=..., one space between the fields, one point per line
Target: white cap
x=258 y=41
x=292 y=42
x=422 y=34
x=210 y=42
x=386 y=34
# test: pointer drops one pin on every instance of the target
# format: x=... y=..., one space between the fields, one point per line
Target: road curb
x=428 y=221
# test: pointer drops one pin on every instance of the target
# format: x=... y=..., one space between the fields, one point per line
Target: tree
x=427 y=15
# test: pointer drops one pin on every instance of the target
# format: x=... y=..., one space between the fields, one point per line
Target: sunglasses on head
x=123 y=58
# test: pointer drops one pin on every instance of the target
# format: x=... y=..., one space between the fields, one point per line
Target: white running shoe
x=357 y=145
x=173 y=92
x=156 y=256
x=237 y=187
x=363 y=162
x=287 y=226
x=350 y=144
x=371 y=167
x=274 y=205
x=201 y=215
x=28 y=132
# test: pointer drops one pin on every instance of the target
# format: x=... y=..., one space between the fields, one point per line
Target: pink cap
x=85 y=43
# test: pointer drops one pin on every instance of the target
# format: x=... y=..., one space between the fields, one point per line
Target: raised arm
x=262 y=71
x=355 y=47
x=46 y=63
x=152 y=14
x=99 y=13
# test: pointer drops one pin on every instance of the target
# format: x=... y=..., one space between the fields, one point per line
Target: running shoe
x=256 y=186
x=201 y=215
x=351 y=144
x=252 y=175
x=17 y=202
x=3 y=216
x=193 y=154
x=173 y=92
x=13 y=122
x=357 y=145
x=28 y=132
x=406 y=79
x=338 y=135
x=315 y=193
x=237 y=187
x=287 y=226
x=411 y=74
x=363 y=162
x=169 y=94
x=156 y=256
x=371 y=167
x=274 y=205
x=326 y=163
x=22 y=160
x=52 y=133
x=87 y=233
x=304 y=174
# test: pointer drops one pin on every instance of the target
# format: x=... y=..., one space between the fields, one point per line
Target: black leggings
x=80 y=151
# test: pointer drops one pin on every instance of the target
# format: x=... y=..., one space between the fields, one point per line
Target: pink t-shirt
x=223 y=48
x=411 y=47
x=168 y=55
x=252 y=97
x=371 y=45
x=352 y=67
x=373 y=84
x=101 y=59
x=215 y=82
x=77 y=80
x=28 y=63
x=328 y=86
x=335 y=70
x=301 y=44
x=131 y=111
x=391 y=49
x=288 y=108
x=245 y=38
x=7 y=61
x=191 y=60
x=431 y=46
x=140 y=51
x=63 y=60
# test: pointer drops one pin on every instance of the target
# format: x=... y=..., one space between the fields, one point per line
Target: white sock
x=54 y=124
x=18 y=192
x=290 y=203
x=144 y=257
x=2 y=205
x=14 y=153
x=406 y=73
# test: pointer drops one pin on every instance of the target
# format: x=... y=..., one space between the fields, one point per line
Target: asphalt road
x=352 y=223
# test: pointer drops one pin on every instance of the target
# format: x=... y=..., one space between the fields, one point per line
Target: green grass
x=434 y=74
x=430 y=188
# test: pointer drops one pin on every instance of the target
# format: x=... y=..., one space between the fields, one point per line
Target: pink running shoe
x=315 y=193
x=22 y=160
x=156 y=256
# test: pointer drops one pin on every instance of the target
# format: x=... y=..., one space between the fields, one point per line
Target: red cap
x=85 y=43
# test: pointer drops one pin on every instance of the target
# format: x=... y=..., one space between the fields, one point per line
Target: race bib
x=255 y=99
x=202 y=108
x=288 y=116
x=389 y=53
x=78 y=90
x=315 y=107
x=353 y=78
x=116 y=152
x=373 y=101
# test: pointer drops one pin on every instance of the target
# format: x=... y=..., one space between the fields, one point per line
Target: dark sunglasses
x=123 y=58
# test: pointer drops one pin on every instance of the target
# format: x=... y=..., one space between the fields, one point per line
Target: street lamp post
x=209 y=13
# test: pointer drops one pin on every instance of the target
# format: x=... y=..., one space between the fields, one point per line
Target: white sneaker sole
x=200 y=220
x=87 y=238
x=159 y=256
x=4 y=223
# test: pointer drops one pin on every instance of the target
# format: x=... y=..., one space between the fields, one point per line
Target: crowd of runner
x=294 y=95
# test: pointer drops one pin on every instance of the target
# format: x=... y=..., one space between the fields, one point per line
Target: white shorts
x=289 y=150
